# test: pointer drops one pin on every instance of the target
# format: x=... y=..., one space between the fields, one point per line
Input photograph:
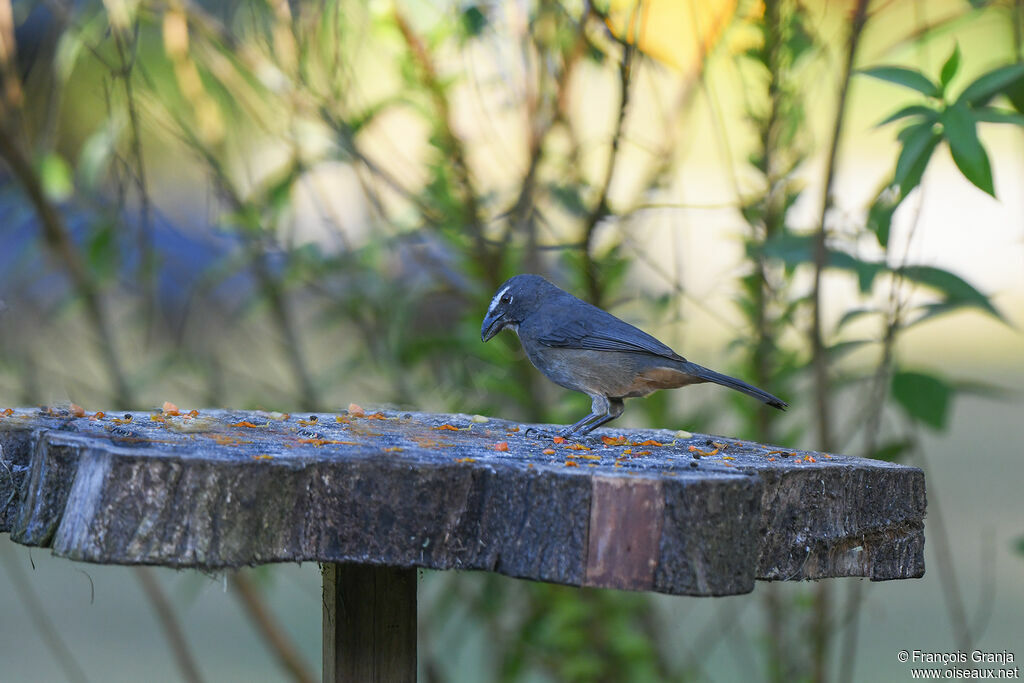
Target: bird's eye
x=506 y=299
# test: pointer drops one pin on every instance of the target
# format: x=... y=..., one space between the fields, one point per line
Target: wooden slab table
x=373 y=497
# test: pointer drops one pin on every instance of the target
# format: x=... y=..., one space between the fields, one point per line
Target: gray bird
x=580 y=347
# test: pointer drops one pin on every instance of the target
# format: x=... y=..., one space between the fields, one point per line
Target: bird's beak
x=493 y=324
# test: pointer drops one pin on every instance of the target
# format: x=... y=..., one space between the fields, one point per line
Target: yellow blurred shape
x=175 y=30
x=678 y=33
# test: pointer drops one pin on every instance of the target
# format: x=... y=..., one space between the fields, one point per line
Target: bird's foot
x=540 y=433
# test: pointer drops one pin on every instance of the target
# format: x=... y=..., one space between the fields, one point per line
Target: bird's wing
x=602 y=331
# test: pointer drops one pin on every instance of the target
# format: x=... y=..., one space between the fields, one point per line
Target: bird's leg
x=572 y=429
x=601 y=410
x=614 y=408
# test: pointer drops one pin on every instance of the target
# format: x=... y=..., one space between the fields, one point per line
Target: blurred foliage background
x=292 y=206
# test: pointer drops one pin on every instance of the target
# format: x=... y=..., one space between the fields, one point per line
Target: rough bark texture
x=229 y=488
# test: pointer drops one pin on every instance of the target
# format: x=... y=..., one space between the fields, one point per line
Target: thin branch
x=287 y=655
x=488 y=260
x=34 y=606
x=595 y=292
x=820 y=635
x=147 y=256
x=169 y=623
x=58 y=240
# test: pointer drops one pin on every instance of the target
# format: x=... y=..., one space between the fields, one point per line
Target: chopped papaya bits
x=192 y=413
x=578 y=447
x=7 y=412
x=123 y=420
x=571 y=463
x=342 y=419
x=313 y=419
x=465 y=459
x=77 y=410
x=451 y=428
x=376 y=416
x=628 y=451
x=246 y=423
x=262 y=456
x=649 y=442
x=394 y=449
x=99 y=415
x=225 y=440
x=355 y=410
x=501 y=446
x=157 y=417
x=513 y=429
x=548 y=451
x=613 y=440
x=170 y=409
x=728 y=457
x=323 y=442
x=558 y=439
x=700 y=453
x=643 y=453
x=588 y=456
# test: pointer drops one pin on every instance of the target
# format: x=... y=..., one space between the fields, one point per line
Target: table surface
x=631 y=509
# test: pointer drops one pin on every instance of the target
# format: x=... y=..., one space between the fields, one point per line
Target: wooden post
x=369 y=623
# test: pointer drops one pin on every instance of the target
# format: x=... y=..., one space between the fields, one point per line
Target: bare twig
x=58 y=240
x=287 y=655
x=147 y=256
x=487 y=260
x=34 y=606
x=600 y=210
x=820 y=635
x=169 y=623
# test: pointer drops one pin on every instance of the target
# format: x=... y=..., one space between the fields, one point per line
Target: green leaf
x=569 y=198
x=55 y=176
x=928 y=113
x=988 y=85
x=908 y=78
x=961 y=133
x=880 y=215
x=919 y=141
x=840 y=349
x=794 y=250
x=925 y=398
x=993 y=115
x=473 y=21
x=985 y=390
x=950 y=68
x=956 y=290
x=1015 y=93
x=101 y=251
x=854 y=314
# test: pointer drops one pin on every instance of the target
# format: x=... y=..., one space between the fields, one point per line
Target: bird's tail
x=706 y=375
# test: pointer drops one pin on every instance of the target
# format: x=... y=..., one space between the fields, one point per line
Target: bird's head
x=516 y=298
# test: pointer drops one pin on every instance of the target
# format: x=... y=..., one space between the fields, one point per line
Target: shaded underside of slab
x=628 y=509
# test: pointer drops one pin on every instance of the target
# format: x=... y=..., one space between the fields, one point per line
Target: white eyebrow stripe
x=497 y=298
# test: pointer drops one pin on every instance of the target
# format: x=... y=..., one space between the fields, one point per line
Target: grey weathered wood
x=211 y=492
x=369 y=624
